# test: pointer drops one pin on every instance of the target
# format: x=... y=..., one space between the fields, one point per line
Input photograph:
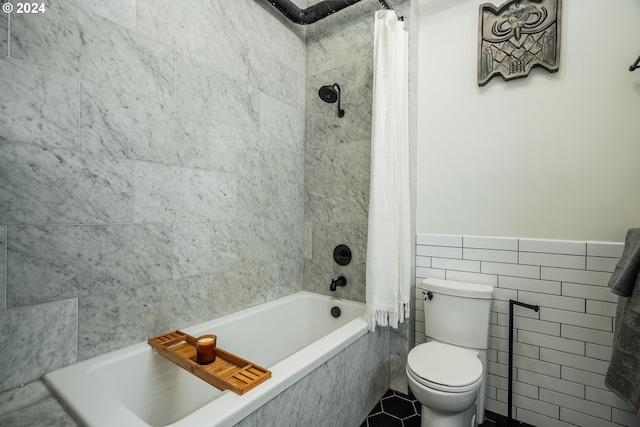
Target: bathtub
x=135 y=386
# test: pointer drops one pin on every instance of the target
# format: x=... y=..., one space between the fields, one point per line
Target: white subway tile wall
x=562 y=352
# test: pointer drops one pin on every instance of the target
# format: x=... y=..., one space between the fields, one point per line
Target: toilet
x=447 y=373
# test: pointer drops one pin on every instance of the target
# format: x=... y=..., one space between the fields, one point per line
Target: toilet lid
x=445 y=364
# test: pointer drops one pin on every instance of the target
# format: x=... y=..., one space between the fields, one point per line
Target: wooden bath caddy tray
x=227 y=372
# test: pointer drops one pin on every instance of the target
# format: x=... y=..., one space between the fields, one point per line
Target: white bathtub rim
x=284 y=374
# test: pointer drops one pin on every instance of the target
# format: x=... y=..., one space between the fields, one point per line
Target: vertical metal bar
x=510 y=391
x=510 y=388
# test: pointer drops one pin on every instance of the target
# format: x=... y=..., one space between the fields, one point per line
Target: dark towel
x=625 y=275
x=623 y=374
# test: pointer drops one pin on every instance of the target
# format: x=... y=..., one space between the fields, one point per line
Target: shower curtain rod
x=317 y=11
x=385 y=6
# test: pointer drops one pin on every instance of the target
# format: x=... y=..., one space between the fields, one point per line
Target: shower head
x=331 y=94
x=328 y=94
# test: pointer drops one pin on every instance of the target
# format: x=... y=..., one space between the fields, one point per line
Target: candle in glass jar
x=206 y=349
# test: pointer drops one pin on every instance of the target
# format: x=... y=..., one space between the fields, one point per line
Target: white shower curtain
x=389 y=235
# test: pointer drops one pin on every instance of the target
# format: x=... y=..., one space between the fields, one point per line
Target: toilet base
x=431 y=418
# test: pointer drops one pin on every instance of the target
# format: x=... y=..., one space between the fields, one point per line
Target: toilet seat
x=445 y=367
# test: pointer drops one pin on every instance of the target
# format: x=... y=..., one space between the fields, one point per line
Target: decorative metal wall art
x=517 y=36
x=635 y=65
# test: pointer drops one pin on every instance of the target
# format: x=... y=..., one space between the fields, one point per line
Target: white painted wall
x=549 y=156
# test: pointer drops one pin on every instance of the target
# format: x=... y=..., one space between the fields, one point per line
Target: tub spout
x=340 y=281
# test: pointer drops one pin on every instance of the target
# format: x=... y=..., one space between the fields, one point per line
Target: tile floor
x=397 y=409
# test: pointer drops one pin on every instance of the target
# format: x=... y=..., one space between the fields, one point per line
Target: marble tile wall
x=3 y=270
x=4 y=32
x=151 y=172
x=337 y=157
x=337 y=154
x=32 y=405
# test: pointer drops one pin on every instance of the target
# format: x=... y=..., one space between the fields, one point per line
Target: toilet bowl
x=445 y=379
x=446 y=374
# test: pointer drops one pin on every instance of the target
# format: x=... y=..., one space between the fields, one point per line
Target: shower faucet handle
x=340 y=281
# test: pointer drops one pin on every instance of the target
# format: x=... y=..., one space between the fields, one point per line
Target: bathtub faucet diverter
x=340 y=281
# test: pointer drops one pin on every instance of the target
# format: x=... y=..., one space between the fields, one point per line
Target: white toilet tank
x=457 y=312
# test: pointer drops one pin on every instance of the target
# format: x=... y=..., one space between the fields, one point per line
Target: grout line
x=9 y=35
x=77 y=327
x=6 y=257
x=133 y=193
x=78 y=116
